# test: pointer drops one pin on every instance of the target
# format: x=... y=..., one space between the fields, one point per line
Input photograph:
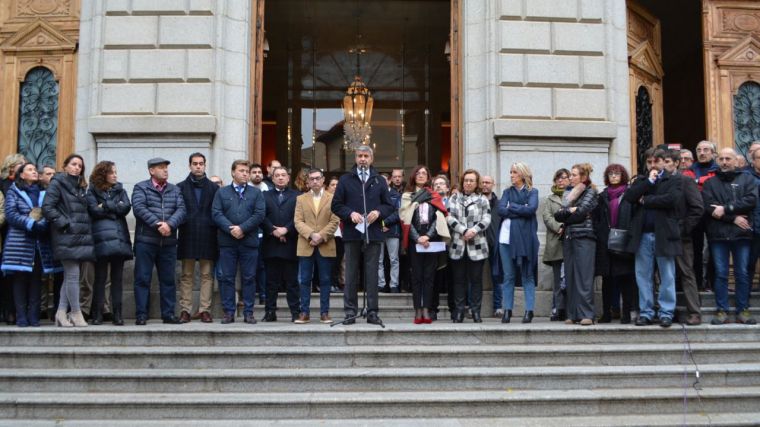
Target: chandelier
x=357 y=113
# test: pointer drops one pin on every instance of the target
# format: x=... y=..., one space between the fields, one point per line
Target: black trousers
x=423 y=267
x=99 y=287
x=467 y=273
x=27 y=287
x=355 y=259
x=282 y=273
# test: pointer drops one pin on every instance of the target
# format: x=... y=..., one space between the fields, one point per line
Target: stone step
x=284 y=333
x=293 y=357
x=657 y=420
x=372 y=380
x=354 y=406
x=708 y=313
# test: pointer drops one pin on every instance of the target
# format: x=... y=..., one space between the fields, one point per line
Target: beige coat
x=322 y=221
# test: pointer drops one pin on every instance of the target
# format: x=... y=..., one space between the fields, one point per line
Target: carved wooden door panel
x=645 y=76
x=732 y=72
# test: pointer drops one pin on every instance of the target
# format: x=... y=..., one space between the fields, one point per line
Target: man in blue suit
x=362 y=191
x=238 y=210
x=280 y=239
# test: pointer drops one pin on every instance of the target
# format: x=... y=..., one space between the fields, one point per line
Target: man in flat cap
x=159 y=210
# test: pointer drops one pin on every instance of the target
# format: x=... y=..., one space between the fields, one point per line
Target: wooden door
x=645 y=76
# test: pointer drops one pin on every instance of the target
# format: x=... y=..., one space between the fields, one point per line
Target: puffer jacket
x=21 y=242
x=579 y=224
x=737 y=193
x=65 y=207
x=108 y=210
x=151 y=207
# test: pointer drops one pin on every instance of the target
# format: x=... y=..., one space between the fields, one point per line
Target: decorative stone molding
x=36 y=8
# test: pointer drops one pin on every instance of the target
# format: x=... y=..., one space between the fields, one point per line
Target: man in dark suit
x=197 y=240
x=280 y=238
x=238 y=210
x=362 y=188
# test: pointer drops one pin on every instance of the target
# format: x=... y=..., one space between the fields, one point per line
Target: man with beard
x=197 y=240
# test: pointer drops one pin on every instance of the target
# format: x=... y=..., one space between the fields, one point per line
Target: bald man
x=730 y=198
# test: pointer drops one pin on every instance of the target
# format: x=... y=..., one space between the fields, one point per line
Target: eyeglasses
x=614 y=174
x=315 y=178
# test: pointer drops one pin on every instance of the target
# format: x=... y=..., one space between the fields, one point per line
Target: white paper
x=504 y=231
x=432 y=247
x=361 y=227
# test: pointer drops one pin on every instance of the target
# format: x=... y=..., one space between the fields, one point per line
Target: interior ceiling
x=318 y=35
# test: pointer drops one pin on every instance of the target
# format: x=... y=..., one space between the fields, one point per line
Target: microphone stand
x=365 y=246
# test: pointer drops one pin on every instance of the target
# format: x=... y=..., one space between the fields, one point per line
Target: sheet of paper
x=432 y=247
x=360 y=227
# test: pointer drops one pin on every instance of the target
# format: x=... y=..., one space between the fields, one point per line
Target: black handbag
x=618 y=240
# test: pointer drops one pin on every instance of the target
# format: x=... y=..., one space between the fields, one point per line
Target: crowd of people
x=334 y=235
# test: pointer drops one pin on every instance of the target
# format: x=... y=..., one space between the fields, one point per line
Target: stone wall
x=163 y=78
x=546 y=83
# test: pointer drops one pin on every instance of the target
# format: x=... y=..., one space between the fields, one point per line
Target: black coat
x=280 y=215
x=579 y=224
x=609 y=263
x=197 y=235
x=692 y=206
x=664 y=197
x=108 y=210
x=737 y=193
x=348 y=198
x=65 y=207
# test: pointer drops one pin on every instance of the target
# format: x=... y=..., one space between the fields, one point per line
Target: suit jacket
x=247 y=212
x=309 y=220
x=280 y=215
x=348 y=198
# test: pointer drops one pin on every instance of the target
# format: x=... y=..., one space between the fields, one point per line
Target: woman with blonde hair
x=579 y=247
x=518 y=239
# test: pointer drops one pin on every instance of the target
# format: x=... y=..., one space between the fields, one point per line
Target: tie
x=279 y=196
x=240 y=190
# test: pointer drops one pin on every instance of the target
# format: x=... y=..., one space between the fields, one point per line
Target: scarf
x=573 y=193
x=557 y=190
x=197 y=183
x=33 y=191
x=615 y=193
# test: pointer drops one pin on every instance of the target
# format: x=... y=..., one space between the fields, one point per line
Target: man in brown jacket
x=316 y=225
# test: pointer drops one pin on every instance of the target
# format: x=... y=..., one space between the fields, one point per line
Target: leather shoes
x=507 y=317
x=458 y=317
x=248 y=318
x=528 y=316
x=476 y=317
x=395 y=290
x=374 y=319
x=206 y=317
x=294 y=316
x=228 y=318
x=349 y=321
x=184 y=317
x=303 y=318
x=269 y=316
x=694 y=320
x=172 y=320
x=325 y=318
x=665 y=322
x=141 y=321
x=643 y=321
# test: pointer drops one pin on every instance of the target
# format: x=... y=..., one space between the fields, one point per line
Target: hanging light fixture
x=357 y=107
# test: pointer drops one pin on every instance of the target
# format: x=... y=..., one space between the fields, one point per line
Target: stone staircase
x=443 y=374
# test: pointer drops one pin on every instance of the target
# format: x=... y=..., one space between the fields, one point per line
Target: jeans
x=70 y=287
x=26 y=294
x=165 y=260
x=511 y=268
x=645 y=259
x=305 y=273
x=392 y=244
x=739 y=250
x=230 y=258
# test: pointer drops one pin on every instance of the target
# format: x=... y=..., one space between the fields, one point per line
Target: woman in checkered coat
x=469 y=217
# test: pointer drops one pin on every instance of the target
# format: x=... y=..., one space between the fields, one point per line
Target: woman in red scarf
x=422 y=214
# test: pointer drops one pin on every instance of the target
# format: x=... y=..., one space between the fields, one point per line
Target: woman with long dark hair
x=108 y=204
x=65 y=207
x=422 y=216
x=578 y=204
x=27 y=253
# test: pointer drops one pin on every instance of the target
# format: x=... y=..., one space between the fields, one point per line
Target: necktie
x=240 y=190
x=279 y=196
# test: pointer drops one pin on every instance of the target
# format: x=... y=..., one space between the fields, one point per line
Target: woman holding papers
x=518 y=239
x=425 y=232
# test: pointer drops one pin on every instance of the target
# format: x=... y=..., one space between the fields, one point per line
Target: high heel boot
x=528 y=316
x=507 y=317
x=61 y=319
x=77 y=319
x=117 y=319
